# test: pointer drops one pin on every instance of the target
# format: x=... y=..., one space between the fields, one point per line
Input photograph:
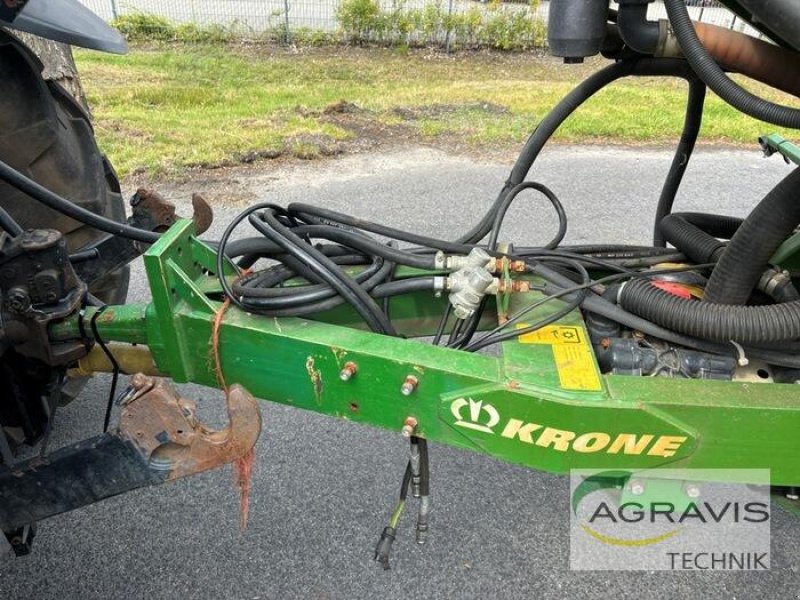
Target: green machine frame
x=540 y=402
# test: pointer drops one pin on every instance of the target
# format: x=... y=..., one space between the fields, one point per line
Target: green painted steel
x=541 y=402
x=776 y=143
x=787 y=256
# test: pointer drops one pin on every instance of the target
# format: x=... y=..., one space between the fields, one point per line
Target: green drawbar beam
x=541 y=403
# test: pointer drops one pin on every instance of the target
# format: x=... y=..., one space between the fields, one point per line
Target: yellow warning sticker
x=553 y=334
x=572 y=354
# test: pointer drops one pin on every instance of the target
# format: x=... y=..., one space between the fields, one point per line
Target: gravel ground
x=322 y=488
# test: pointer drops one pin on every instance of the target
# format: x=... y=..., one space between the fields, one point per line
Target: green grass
x=165 y=109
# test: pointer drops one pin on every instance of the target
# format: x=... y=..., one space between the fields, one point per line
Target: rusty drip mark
x=315 y=375
x=338 y=353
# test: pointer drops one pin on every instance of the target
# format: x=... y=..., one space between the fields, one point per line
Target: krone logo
x=475 y=420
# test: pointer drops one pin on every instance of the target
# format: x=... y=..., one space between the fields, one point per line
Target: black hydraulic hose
x=256 y=246
x=322 y=215
x=636 y=66
x=376 y=289
x=276 y=298
x=695 y=234
x=403 y=286
x=601 y=306
x=9 y=225
x=268 y=224
x=312 y=308
x=70 y=209
x=509 y=198
x=719 y=322
x=269 y=282
x=636 y=31
x=743 y=262
x=616 y=250
x=692 y=121
x=542 y=133
x=367 y=245
x=715 y=78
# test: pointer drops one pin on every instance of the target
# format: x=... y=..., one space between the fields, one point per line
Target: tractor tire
x=48 y=136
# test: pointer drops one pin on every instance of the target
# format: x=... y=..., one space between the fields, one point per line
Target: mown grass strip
x=162 y=109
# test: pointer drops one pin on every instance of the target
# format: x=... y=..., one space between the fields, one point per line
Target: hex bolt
x=637 y=487
x=348 y=371
x=792 y=494
x=409 y=385
x=18 y=300
x=409 y=426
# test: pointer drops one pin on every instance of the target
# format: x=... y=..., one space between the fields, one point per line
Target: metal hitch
x=159 y=439
x=163 y=427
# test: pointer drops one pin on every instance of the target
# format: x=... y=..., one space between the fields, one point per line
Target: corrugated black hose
x=715 y=78
x=695 y=234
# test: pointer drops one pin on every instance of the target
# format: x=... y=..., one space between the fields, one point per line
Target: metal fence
x=258 y=17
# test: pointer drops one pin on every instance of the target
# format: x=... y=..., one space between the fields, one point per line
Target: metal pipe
x=131 y=359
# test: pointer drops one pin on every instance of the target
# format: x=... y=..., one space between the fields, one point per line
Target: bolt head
x=409 y=426
x=692 y=490
x=637 y=488
x=348 y=371
x=409 y=385
x=18 y=300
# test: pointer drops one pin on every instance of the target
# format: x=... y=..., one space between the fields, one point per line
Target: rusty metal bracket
x=159 y=439
x=153 y=213
x=164 y=428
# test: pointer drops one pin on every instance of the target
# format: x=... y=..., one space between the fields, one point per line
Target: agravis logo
x=610 y=480
x=669 y=519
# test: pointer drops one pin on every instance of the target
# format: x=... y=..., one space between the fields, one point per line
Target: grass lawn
x=163 y=109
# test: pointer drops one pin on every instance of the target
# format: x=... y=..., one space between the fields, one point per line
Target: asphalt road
x=322 y=488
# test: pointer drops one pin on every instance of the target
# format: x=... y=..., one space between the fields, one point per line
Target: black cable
x=70 y=209
x=223 y=242
x=551 y=318
x=543 y=132
x=442 y=324
x=509 y=198
x=494 y=336
x=683 y=153
x=455 y=332
x=470 y=326
x=9 y=225
x=406 y=482
x=715 y=78
x=115 y=370
x=267 y=224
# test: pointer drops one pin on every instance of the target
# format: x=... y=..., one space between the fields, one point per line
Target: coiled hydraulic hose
x=714 y=77
x=736 y=274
